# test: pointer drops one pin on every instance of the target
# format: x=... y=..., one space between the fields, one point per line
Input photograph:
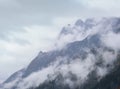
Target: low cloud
x=78 y=67
x=112 y=40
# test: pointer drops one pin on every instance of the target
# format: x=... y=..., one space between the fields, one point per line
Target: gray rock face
x=15 y=75
x=79 y=23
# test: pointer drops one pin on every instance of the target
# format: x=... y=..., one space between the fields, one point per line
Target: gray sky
x=28 y=26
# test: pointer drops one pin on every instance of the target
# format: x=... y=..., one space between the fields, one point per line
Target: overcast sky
x=28 y=26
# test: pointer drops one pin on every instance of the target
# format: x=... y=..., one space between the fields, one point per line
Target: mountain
x=86 y=56
x=15 y=75
x=110 y=81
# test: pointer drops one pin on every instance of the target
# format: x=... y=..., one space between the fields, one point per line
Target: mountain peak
x=79 y=23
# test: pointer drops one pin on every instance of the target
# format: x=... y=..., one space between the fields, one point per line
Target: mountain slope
x=15 y=75
x=110 y=81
